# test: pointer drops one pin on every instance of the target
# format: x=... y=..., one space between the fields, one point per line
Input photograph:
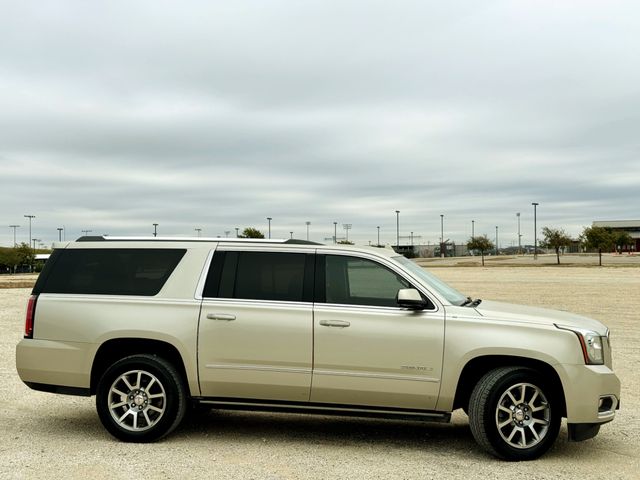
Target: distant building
x=632 y=227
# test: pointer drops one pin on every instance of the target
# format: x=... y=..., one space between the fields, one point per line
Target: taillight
x=31 y=312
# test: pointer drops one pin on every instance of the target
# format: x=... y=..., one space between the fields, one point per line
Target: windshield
x=450 y=293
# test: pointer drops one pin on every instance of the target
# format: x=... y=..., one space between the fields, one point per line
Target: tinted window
x=257 y=276
x=356 y=281
x=111 y=271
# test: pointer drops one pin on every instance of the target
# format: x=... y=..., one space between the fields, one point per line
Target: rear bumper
x=42 y=387
x=52 y=366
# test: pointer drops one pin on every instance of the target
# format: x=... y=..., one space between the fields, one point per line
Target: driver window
x=357 y=281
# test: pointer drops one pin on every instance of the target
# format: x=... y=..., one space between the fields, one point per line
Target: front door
x=368 y=351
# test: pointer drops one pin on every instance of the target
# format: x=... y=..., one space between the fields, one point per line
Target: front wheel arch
x=477 y=367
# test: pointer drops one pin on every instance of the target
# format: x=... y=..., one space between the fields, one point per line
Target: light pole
x=519 y=236
x=198 y=230
x=442 y=249
x=307 y=224
x=378 y=227
x=269 y=219
x=155 y=229
x=86 y=232
x=30 y=217
x=398 y=229
x=291 y=233
x=335 y=232
x=496 y=240
x=535 y=230
x=473 y=228
x=59 y=233
x=237 y=230
x=14 y=233
x=347 y=227
x=35 y=240
x=412 y=239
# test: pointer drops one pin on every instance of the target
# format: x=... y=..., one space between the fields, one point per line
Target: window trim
x=308 y=275
x=320 y=298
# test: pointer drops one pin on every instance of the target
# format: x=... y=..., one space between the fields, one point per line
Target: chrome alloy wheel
x=137 y=400
x=523 y=415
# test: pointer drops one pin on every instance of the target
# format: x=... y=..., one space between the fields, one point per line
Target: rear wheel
x=514 y=414
x=141 y=398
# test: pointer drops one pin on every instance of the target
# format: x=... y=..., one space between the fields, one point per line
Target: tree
x=345 y=242
x=599 y=238
x=25 y=254
x=11 y=258
x=482 y=244
x=251 y=232
x=623 y=239
x=8 y=260
x=555 y=238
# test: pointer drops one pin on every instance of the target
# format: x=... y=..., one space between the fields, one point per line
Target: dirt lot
x=57 y=436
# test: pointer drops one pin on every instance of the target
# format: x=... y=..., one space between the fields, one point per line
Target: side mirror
x=410 y=298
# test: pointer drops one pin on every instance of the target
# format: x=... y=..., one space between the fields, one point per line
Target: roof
x=617 y=223
x=387 y=252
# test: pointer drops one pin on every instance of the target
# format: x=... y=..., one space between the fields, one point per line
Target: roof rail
x=109 y=238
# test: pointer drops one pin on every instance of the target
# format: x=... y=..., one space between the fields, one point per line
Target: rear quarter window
x=110 y=271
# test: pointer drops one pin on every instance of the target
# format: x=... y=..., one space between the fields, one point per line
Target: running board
x=326 y=409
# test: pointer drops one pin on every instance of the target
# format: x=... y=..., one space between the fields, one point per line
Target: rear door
x=255 y=331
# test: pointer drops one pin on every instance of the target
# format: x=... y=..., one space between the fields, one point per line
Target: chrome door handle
x=335 y=323
x=221 y=316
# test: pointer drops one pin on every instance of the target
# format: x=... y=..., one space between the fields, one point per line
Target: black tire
x=141 y=398
x=514 y=413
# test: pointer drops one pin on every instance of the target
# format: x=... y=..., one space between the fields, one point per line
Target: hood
x=521 y=313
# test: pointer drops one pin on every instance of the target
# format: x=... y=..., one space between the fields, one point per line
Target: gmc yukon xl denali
x=155 y=326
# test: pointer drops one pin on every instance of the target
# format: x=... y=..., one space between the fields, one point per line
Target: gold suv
x=155 y=326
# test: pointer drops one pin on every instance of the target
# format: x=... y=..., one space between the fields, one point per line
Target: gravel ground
x=60 y=436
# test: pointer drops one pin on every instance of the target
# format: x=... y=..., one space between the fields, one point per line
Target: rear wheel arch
x=477 y=367
x=116 y=349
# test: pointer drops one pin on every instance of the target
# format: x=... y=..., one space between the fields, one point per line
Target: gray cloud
x=216 y=115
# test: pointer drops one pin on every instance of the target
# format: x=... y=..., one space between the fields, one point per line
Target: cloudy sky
x=216 y=114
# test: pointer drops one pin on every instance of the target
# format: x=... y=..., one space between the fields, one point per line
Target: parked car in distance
x=154 y=326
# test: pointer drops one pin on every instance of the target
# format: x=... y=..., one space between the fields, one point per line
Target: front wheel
x=141 y=398
x=514 y=413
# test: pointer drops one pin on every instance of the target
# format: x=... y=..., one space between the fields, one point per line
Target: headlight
x=591 y=344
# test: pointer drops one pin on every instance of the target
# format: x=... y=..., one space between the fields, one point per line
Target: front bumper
x=592 y=394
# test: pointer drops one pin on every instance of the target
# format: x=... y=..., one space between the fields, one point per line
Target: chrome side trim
x=377 y=376
x=241 y=303
x=259 y=368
